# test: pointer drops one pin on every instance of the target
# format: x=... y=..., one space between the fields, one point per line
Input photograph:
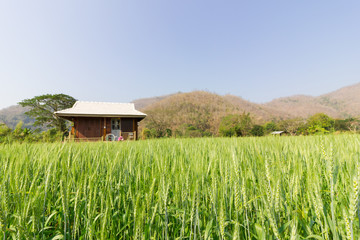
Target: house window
x=115 y=124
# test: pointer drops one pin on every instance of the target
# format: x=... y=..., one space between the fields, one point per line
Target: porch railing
x=128 y=135
x=108 y=137
x=93 y=139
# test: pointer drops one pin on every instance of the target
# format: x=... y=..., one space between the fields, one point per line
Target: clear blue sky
x=123 y=50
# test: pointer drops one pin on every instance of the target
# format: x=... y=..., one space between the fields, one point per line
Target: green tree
x=320 y=123
x=257 y=131
x=18 y=133
x=146 y=133
x=168 y=132
x=235 y=125
x=189 y=130
x=270 y=127
x=349 y=124
x=292 y=126
x=354 y=124
x=42 y=108
x=5 y=131
x=341 y=125
x=51 y=135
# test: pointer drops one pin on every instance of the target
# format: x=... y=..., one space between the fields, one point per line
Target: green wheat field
x=209 y=188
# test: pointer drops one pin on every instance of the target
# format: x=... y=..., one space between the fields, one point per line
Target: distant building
x=102 y=120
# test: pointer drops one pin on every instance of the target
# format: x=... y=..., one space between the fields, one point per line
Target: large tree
x=236 y=125
x=42 y=108
x=292 y=126
x=320 y=123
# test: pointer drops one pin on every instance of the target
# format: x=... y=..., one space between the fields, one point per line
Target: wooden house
x=102 y=120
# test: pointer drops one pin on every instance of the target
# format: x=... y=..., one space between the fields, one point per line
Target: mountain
x=303 y=106
x=345 y=100
x=238 y=104
x=260 y=112
x=341 y=103
x=172 y=111
x=202 y=111
x=179 y=108
x=13 y=115
x=144 y=102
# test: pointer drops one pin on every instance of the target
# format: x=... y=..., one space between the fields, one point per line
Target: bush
x=52 y=135
x=257 y=131
x=189 y=130
x=168 y=132
x=5 y=132
x=270 y=127
x=146 y=133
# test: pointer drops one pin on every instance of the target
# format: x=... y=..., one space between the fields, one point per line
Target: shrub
x=257 y=131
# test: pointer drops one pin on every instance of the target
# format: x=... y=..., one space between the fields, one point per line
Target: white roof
x=277 y=132
x=101 y=109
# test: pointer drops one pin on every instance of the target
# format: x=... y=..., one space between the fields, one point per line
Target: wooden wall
x=88 y=127
x=127 y=124
x=93 y=127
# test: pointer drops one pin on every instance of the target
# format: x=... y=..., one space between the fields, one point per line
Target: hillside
x=345 y=100
x=341 y=103
x=189 y=108
x=260 y=112
x=200 y=109
x=14 y=114
x=144 y=102
x=303 y=106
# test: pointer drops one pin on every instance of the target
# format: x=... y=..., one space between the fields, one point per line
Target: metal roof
x=277 y=132
x=101 y=109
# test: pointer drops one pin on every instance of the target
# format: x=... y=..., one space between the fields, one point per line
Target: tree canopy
x=320 y=123
x=42 y=108
x=235 y=125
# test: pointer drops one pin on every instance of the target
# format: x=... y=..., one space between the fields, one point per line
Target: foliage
x=150 y=133
x=292 y=126
x=202 y=110
x=52 y=135
x=145 y=133
x=320 y=123
x=341 y=125
x=21 y=134
x=349 y=124
x=216 y=188
x=42 y=108
x=4 y=130
x=188 y=130
x=257 y=131
x=270 y=127
x=229 y=126
x=235 y=125
x=168 y=132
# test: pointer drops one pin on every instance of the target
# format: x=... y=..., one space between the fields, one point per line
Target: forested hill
x=179 y=108
x=341 y=103
x=203 y=111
